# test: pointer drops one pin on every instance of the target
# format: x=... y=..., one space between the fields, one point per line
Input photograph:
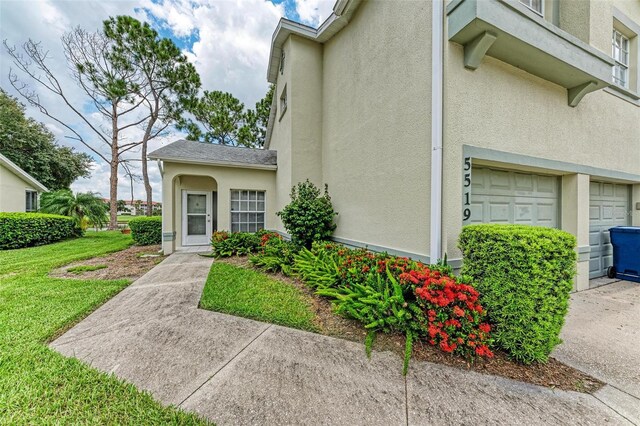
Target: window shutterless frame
x=31 y=201
x=620 y=54
x=536 y=5
x=248 y=209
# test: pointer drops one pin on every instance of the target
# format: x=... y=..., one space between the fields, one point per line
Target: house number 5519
x=466 y=192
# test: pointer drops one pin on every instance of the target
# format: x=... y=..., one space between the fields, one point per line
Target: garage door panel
x=548 y=185
x=499 y=212
x=513 y=197
x=609 y=207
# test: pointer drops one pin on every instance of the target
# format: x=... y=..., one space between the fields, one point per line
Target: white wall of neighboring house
x=14 y=184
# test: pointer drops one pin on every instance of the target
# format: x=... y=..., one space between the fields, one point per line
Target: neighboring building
x=423 y=118
x=19 y=191
x=138 y=207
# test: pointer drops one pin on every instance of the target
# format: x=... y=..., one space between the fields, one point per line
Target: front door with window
x=196 y=218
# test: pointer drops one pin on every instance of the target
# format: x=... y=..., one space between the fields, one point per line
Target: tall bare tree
x=111 y=88
x=168 y=82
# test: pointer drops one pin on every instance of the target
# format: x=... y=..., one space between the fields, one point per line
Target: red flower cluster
x=219 y=236
x=264 y=240
x=454 y=316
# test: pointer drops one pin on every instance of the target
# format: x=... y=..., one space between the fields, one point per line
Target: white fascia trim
x=437 y=60
x=342 y=12
x=217 y=163
x=22 y=174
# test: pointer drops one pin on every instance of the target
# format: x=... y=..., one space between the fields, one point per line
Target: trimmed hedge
x=524 y=275
x=146 y=230
x=19 y=230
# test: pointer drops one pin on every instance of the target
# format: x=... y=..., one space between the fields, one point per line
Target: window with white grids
x=535 y=5
x=620 y=53
x=247 y=210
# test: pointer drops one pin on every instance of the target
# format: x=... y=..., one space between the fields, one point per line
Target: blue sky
x=228 y=41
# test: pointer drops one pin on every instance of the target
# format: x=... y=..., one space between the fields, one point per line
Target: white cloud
x=314 y=12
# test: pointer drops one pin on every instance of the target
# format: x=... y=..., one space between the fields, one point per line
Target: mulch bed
x=124 y=264
x=553 y=374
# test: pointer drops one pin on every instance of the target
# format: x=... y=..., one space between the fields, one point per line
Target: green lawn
x=40 y=386
x=125 y=218
x=252 y=294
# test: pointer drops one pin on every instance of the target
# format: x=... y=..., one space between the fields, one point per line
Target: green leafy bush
x=146 y=230
x=276 y=254
x=309 y=216
x=225 y=244
x=380 y=304
x=396 y=294
x=524 y=275
x=35 y=229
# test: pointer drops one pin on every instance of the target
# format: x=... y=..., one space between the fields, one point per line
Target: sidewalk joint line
x=227 y=363
x=615 y=411
x=623 y=391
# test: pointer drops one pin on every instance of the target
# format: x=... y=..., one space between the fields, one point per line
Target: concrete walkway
x=602 y=338
x=237 y=371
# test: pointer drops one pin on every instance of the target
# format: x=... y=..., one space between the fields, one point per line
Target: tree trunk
x=115 y=162
x=145 y=177
x=113 y=190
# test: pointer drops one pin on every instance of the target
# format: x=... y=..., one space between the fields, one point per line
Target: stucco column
x=575 y=219
x=635 y=200
x=168 y=231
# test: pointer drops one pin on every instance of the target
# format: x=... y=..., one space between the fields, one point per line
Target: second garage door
x=608 y=207
x=500 y=196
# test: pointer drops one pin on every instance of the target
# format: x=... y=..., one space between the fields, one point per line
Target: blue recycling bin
x=626 y=253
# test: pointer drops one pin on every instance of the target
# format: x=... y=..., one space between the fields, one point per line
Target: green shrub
x=309 y=216
x=146 y=230
x=396 y=294
x=276 y=254
x=225 y=244
x=524 y=276
x=35 y=229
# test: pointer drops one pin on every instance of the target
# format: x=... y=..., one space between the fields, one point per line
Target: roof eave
x=342 y=12
x=216 y=163
x=22 y=174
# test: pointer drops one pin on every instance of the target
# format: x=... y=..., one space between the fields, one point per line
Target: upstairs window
x=283 y=101
x=620 y=53
x=31 y=204
x=535 y=5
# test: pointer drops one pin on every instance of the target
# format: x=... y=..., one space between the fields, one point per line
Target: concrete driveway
x=235 y=371
x=602 y=338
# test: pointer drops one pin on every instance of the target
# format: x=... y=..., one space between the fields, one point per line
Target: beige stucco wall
x=376 y=125
x=12 y=191
x=503 y=108
x=180 y=176
x=281 y=139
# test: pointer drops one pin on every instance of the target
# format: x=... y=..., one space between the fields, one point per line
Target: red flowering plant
x=267 y=238
x=219 y=236
x=455 y=319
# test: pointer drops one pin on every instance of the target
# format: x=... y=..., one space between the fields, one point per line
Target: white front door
x=196 y=218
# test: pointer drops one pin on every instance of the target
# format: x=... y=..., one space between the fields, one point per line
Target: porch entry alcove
x=197 y=207
x=199 y=216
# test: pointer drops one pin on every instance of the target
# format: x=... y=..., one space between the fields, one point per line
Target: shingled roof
x=208 y=153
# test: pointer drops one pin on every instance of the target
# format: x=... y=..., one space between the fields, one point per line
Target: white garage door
x=608 y=207
x=499 y=196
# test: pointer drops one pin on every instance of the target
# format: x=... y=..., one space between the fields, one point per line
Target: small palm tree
x=81 y=206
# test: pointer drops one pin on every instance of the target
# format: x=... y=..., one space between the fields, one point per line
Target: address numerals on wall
x=466 y=191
